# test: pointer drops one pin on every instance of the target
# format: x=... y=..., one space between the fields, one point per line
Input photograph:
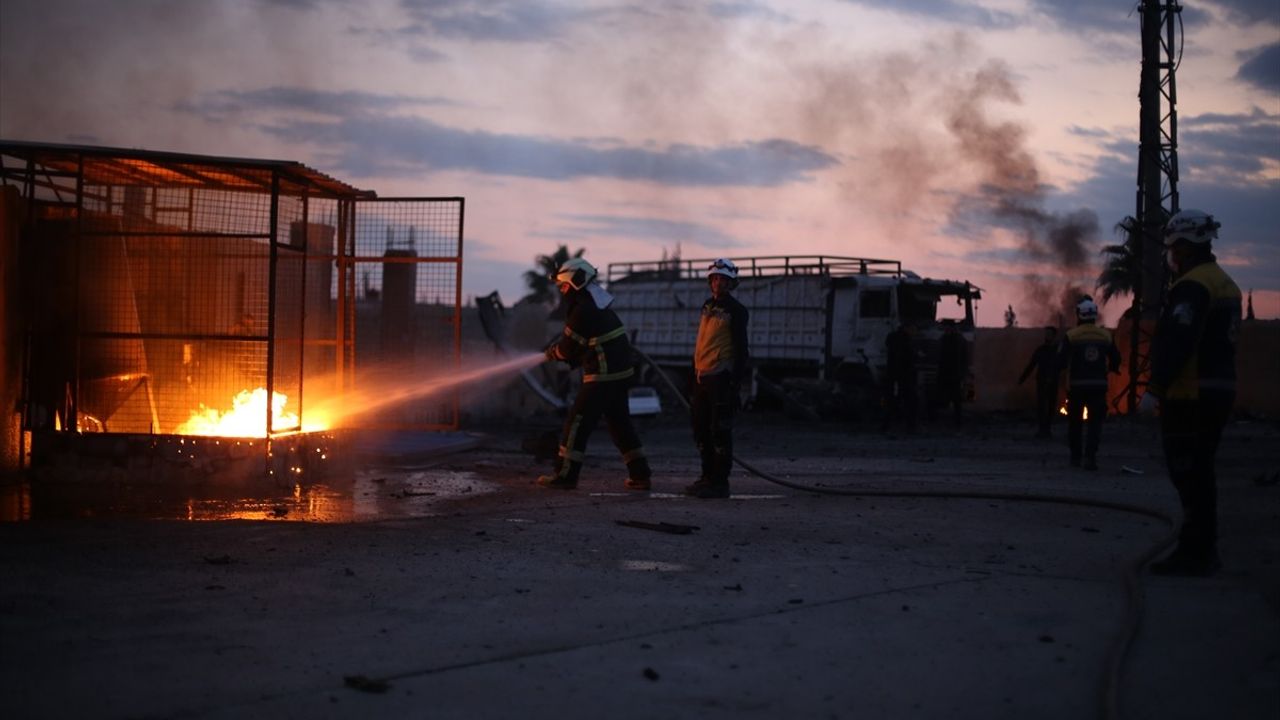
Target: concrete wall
x=1000 y=354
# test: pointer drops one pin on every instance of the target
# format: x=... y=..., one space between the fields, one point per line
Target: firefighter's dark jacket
x=1194 y=349
x=1088 y=353
x=722 y=339
x=594 y=338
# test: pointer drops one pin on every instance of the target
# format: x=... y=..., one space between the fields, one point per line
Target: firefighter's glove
x=1148 y=404
x=550 y=352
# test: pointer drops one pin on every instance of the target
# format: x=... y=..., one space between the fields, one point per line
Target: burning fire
x=1063 y=411
x=247 y=417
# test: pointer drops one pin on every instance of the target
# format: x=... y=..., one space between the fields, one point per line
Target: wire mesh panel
x=406 y=267
x=174 y=295
x=189 y=287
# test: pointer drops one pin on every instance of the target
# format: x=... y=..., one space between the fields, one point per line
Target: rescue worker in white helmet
x=721 y=363
x=1193 y=378
x=597 y=340
x=1088 y=353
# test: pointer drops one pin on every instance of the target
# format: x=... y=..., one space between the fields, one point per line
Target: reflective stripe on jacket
x=595 y=338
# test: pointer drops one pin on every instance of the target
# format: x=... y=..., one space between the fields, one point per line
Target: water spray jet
x=394 y=391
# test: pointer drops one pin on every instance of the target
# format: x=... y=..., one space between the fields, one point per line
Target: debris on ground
x=666 y=527
x=366 y=684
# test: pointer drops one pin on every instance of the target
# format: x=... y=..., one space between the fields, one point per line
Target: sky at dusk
x=988 y=140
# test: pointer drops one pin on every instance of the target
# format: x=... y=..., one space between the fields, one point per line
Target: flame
x=1063 y=411
x=247 y=417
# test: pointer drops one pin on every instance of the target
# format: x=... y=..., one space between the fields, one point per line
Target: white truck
x=818 y=323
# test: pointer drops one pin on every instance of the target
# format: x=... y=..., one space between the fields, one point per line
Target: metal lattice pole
x=1157 y=196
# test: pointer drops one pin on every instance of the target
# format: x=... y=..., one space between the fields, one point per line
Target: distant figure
x=1044 y=361
x=900 y=378
x=1088 y=353
x=1193 y=379
x=721 y=363
x=953 y=367
x=597 y=340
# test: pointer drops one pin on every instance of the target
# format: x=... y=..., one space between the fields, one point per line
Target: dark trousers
x=950 y=392
x=596 y=399
x=715 y=402
x=1046 y=406
x=900 y=400
x=1190 y=431
x=1078 y=400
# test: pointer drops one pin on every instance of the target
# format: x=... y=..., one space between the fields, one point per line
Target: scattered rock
x=366 y=684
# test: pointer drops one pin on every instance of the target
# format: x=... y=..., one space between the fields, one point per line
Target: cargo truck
x=818 y=323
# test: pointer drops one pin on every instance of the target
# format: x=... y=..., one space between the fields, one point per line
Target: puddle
x=373 y=494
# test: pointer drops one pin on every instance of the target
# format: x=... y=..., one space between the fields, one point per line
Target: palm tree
x=538 y=280
x=1122 y=267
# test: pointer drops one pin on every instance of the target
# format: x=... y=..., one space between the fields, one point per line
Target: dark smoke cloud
x=1262 y=69
x=1012 y=195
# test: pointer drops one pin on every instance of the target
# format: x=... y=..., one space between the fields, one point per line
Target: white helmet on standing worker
x=1086 y=310
x=1195 y=226
x=725 y=267
x=577 y=272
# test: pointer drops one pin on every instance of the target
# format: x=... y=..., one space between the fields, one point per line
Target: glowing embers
x=248 y=417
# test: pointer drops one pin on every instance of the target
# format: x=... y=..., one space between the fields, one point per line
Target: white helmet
x=1194 y=226
x=577 y=272
x=723 y=266
x=1087 y=310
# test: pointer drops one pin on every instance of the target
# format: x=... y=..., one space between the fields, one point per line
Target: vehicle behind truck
x=818 y=323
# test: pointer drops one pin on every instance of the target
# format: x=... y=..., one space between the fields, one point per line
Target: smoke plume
x=1013 y=196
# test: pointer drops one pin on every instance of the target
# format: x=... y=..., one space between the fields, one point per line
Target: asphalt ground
x=451 y=586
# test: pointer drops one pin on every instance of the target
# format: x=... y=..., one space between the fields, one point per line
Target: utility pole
x=1157 y=173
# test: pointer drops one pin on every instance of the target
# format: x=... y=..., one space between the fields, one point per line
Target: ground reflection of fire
x=248 y=417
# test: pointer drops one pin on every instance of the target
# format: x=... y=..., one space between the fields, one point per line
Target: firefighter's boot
x=638 y=474
x=707 y=490
x=1185 y=563
x=565 y=477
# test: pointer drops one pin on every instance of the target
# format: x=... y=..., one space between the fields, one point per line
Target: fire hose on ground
x=1122 y=641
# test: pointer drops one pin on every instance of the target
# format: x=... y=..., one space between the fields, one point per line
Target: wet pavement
x=451 y=586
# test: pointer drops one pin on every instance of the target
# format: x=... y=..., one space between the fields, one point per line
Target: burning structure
x=203 y=311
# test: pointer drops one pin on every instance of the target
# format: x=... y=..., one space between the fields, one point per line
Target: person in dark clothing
x=721 y=362
x=597 y=340
x=1044 y=361
x=900 y=378
x=1088 y=353
x=1193 y=377
x=953 y=367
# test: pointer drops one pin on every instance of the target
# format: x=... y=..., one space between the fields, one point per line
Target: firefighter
x=596 y=339
x=953 y=368
x=1088 y=353
x=1044 y=361
x=721 y=361
x=900 y=378
x=1193 y=378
